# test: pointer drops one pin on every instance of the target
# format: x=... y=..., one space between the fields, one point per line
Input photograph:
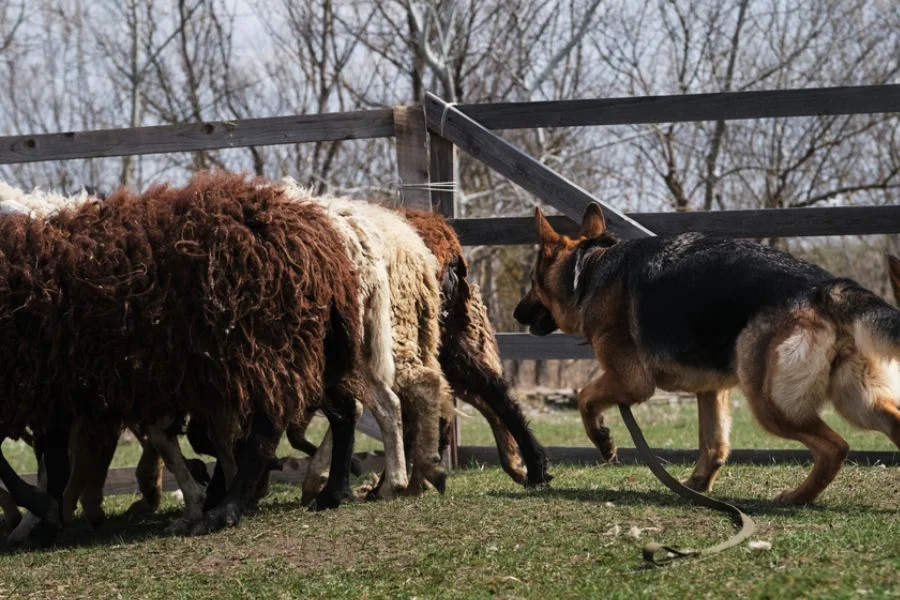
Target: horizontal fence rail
x=379 y=122
x=762 y=223
x=524 y=346
x=693 y=107
x=198 y=136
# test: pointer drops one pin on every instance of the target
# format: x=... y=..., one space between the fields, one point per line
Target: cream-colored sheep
x=364 y=245
x=414 y=313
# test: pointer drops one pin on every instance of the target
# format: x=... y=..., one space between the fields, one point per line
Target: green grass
x=666 y=425
x=488 y=538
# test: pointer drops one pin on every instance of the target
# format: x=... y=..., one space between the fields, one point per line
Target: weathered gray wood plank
x=785 y=222
x=693 y=107
x=525 y=171
x=443 y=174
x=410 y=137
x=555 y=346
x=198 y=136
x=379 y=123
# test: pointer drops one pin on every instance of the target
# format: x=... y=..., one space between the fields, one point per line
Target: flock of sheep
x=232 y=309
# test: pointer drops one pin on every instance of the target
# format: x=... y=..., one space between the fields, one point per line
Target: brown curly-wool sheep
x=219 y=299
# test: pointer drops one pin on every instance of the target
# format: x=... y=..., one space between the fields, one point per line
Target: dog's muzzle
x=531 y=312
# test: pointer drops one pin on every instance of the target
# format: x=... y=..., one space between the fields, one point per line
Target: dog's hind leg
x=827 y=447
x=866 y=391
x=785 y=370
x=714 y=416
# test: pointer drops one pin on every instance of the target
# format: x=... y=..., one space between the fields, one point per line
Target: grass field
x=487 y=538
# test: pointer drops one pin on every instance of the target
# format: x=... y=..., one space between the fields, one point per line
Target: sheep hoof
x=96 y=520
x=325 y=501
x=439 y=481
x=227 y=515
x=44 y=535
x=12 y=520
x=180 y=526
x=143 y=507
x=540 y=479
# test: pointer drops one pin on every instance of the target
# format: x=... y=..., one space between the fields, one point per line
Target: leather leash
x=652 y=550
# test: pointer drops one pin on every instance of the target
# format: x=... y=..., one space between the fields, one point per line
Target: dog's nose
x=519 y=314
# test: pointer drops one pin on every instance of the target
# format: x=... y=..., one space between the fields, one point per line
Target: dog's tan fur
x=788 y=364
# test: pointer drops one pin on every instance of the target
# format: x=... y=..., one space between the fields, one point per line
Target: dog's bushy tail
x=873 y=323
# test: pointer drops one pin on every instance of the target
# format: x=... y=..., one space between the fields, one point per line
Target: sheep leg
x=149 y=475
x=296 y=434
x=223 y=443
x=95 y=478
x=56 y=462
x=11 y=515
x=341 y=412
x=386 y=408
x=167 y=445
x=317 y=473
x=44 y=520
x=30 y=521
x=475 y=381
x=200 y=436
x=254 y=456
x=423 y=394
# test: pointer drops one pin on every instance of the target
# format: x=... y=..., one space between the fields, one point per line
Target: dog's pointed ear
x=593 y=223
x=546 y=233
x=894 y=266
x=894 y=272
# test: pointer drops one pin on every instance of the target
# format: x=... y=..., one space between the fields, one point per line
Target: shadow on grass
x=122 y=529
x=752 y=506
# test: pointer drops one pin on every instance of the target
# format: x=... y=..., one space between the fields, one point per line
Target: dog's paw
x=792 y=498
x=699 y=484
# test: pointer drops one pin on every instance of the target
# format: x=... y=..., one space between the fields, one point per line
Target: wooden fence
x=427 y=137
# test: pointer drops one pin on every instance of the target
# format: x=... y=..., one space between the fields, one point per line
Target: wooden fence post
x=443 y=193
x=443 y=164
x=412 y=156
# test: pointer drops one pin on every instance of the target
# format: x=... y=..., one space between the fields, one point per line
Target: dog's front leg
x=714 y=416
x=609 y=389
x=593 y=399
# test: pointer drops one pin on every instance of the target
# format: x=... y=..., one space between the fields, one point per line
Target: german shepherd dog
x=702 y=315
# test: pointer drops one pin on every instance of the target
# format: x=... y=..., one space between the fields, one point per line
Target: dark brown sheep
x=218 y=299
x=470 y=357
